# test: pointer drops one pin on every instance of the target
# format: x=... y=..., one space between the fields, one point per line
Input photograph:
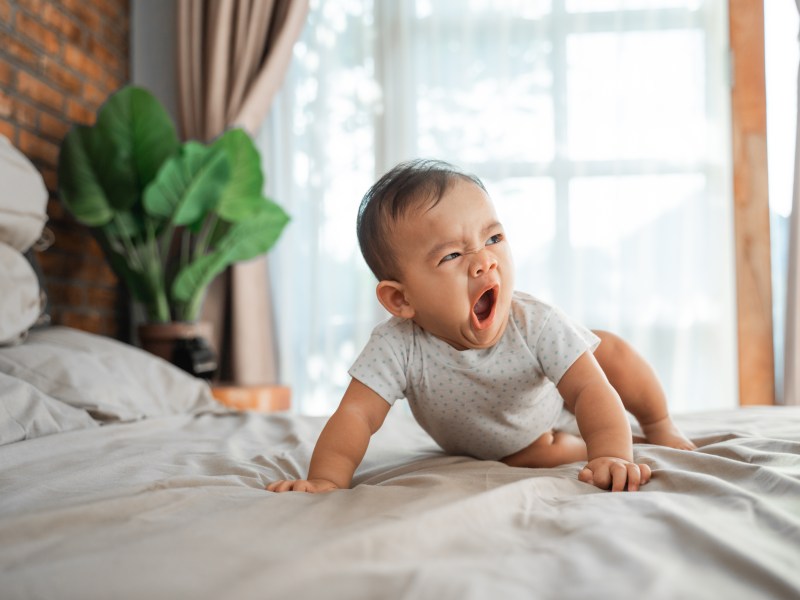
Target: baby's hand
x=312 y=486
x=609 y=472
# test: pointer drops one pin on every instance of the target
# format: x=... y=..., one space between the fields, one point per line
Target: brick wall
x=59 y=61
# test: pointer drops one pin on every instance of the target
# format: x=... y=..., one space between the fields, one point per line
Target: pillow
x=23 y=213
x=20 y=297
x=27 y=413
x=23 y=199
x=111 y=380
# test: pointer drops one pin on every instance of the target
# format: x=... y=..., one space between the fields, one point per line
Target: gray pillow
x=112 y=381
x=27 y=413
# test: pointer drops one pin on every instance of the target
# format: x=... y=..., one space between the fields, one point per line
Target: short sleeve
x=381 y=366
x=561 y=343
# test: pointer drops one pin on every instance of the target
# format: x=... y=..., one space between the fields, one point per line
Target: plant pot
x=181 y=343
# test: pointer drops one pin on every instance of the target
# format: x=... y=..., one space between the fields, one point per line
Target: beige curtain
x=232 y=57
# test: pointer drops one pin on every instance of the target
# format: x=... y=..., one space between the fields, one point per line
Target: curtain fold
x=232 y=57
x=791 y=375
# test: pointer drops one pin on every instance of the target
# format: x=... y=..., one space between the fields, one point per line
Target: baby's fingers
x=619 y=476
x=586 y=475
x=646 y=472
x=286 y=485
x=601 y=476
x=634 y=477
x=280 y=486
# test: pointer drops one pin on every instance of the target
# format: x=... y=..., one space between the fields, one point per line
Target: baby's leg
x=549 y=450
x=640 y=391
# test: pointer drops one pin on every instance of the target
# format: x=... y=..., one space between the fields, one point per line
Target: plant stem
x=130 y=248
x=204 y=238
x=155 y=275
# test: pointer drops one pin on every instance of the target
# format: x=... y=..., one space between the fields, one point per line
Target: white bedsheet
x=174 y=507
x=120 y=477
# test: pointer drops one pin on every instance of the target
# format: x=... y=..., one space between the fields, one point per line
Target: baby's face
x=456 y=268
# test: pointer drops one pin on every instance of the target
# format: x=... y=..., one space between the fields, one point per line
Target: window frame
x=751 y=203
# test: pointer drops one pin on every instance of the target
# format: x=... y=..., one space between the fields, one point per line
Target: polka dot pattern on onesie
x=486 y=403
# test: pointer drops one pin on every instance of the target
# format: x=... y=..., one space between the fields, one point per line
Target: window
x=600 y=129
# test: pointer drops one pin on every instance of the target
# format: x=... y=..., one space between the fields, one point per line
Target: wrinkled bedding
x=169 y=502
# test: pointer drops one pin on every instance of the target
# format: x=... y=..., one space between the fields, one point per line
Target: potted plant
x=169 y=216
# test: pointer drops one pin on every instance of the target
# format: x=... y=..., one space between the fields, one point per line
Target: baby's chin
x=485 y=339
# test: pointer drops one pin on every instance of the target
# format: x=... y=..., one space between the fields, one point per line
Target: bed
x=121 y=477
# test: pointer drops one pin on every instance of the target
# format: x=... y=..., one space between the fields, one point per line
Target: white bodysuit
x=485 y=403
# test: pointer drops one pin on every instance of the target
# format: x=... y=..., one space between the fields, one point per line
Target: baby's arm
x=604 y=427
x=342 y=443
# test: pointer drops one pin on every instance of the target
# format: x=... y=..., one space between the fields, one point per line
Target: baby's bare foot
x=665 y=433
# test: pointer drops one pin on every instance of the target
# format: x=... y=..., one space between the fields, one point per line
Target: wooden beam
x=751 y=203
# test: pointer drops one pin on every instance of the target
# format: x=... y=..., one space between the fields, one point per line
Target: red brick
x=34 y=30
x=6 y=105
x=66 y=294
x=62 y=24
x=104 y=55
x=38 y=149
x=50 y=177
x=93 y=95
x=22 y=51
x=60 y=76
x=69 y=239
x=114 y=38
x=78 y=60
x=84 y=14
x=5 y=12
x=9 y=130
x=55 y=210
x=93 y=248
x=91 y=321
x=17 y=110
x=39 y=92
x=112 y=83
x=110 y=10
x=82 y=268
x=102 y=298
x=6 y=73
x=77 y=113
x=54 y=128
x=32 y=6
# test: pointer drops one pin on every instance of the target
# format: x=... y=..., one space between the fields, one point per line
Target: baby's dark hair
x=408 y=185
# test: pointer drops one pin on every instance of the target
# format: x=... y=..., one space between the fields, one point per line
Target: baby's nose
x=482 y=261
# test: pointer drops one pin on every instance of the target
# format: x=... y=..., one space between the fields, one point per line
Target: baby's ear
x=393 y=298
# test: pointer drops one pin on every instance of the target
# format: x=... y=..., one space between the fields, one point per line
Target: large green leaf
x=134 y=135
x=189 y=185
x=243 y=241
x=104 y=168
x=247 y=179
x=78 y=184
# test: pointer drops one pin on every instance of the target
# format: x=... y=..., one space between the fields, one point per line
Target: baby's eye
x=449 y=257
x=495 y=239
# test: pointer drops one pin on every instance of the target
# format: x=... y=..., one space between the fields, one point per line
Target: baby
x=488 y=371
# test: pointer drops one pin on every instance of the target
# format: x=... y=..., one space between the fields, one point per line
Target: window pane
x=649 y=253
x=483 y=90
x=526 y=207
x=609 y=5
x=636 y=95
x=522 y=9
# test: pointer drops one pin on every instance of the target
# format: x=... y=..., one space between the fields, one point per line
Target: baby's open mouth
x=483 y=307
